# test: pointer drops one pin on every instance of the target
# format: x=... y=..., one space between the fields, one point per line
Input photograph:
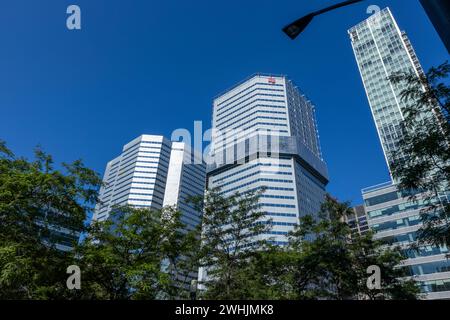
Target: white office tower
x=153 y=172
x=265 y=135
x=381 y=49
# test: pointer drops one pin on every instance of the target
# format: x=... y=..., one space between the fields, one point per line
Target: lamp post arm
x=336 y=6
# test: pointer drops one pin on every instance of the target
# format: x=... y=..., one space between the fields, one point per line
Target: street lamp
x=296 y=27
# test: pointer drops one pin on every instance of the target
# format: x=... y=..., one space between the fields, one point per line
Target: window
x=381 y=198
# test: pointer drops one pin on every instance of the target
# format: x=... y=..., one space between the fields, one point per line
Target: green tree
x=37 y=202
x=229 y=227
x=324 y=260
x=422 y=163
x=138 y=253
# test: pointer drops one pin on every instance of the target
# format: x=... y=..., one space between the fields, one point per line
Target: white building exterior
x=266 y=136
x=153 y=172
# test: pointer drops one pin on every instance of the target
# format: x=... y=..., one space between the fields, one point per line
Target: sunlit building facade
x=266 y=136
x=153 y=172
x=395 y=219
x=382 y=49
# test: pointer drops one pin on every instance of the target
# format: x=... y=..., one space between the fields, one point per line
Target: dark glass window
x=381 y=198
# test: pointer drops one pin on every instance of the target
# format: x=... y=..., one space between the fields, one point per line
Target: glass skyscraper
x=266 y=136
x=381 y=49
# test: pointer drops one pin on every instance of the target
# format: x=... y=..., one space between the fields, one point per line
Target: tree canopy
x=422 y=162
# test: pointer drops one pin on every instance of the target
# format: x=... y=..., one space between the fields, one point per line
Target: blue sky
x=148 y=66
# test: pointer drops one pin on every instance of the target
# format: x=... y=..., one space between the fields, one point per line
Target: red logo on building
x=271 y=80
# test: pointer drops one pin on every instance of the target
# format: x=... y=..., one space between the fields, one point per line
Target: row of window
x=255 y=173
x=194 y=185
x=258 y=109
x=435 y=286
x=255 y=181
x=277 y=196
x=266 y=124
x=257 y=103
x=252 y=86
x=248 y=121
x=242 y=135
x=391 y=210
x=428 y=268
x=425 y=251
x=396 y=224
x=143 y=143
x=281 y=214
x=239 y=106
x=126 y=154
x=259 y=164
x=233 y=103
x=262 y=187
x=278 y=205
x=123 y=168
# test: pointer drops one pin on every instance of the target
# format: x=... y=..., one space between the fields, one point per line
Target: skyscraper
x=395 y=220
x=266 y=136
x=381 y=49
x=153 y=172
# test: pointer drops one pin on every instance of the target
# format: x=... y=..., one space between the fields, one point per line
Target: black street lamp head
x=295 y=28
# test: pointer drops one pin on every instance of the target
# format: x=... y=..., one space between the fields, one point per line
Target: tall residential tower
x=381 y=49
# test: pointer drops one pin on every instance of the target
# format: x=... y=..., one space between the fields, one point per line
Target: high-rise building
x=439 y=13
x=153 y=172
x=266 y=136
x=381 y=49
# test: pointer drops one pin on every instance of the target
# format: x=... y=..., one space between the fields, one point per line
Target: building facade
x=381 y=49
x=153 y=172
x=357 y=220
x=395 y=219
x=266 y=137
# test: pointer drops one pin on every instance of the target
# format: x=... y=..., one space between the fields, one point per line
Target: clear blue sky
x=148 y=66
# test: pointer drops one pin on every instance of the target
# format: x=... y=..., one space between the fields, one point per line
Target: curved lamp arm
x=295 y=28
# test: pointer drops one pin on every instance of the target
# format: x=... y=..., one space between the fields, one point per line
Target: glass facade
x=381 y=49
x=396 y=221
